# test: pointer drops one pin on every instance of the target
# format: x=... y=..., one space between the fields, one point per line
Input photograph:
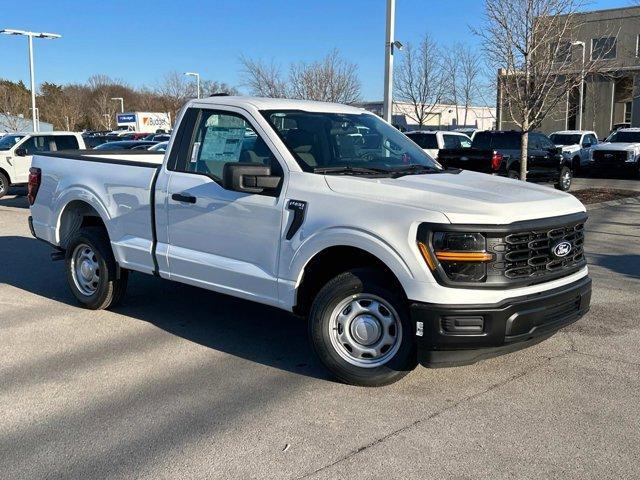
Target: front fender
x=349 y=237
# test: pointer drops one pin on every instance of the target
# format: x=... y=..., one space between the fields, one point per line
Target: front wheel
x=360 y=329
x=92 y=272
x=565 y=178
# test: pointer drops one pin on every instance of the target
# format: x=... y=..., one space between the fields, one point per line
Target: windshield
x=355 y=141
x=565 y=139
x=8 y=141
x=625 y=137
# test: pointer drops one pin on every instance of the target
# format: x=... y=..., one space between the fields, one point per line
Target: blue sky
x=139 y=42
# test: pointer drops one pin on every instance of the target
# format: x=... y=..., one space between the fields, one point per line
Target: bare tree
x=331 y=79
x=420 y=79
x=14 y=105
x=530 y=43
x=263 y=79
x=469 y=78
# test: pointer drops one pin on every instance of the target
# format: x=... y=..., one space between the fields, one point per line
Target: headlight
x=591 y=155
x=631 y=156
x=462 y=257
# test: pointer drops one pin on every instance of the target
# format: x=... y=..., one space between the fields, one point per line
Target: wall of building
x=9 y=123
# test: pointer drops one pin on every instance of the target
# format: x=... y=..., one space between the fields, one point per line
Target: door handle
x=183 y=197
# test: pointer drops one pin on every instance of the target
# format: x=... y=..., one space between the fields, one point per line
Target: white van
x=17 y=149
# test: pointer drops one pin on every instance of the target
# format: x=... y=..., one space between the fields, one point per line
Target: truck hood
x=617 y=146
x=465 y=197
x=569 y=148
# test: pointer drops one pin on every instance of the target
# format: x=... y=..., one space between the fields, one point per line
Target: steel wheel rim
x=85 y=270
x=365 y=330
x=2 y=185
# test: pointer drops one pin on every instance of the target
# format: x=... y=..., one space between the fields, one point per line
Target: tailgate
x=466 y=159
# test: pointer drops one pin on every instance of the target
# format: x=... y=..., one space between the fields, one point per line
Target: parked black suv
x=498 y=153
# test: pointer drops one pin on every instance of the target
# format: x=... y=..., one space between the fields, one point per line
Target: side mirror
x=248 y=178
x=21 y=152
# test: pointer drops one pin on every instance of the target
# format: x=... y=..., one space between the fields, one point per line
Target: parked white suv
x=329 y=212
x=434 y=141
x=576 y=145
x=17 y=150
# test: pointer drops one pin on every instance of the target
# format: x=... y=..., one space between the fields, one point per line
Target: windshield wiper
x=349 y=170
x=413 y=169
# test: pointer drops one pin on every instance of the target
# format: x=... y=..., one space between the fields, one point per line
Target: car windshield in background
x=425 y=140
x=339 y=142
x=625 y=137
x=565 y=139
x=8 y=141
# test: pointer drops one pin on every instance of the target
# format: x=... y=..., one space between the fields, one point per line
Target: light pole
x=584 y=48
x=121 y=100
x=197 y=75
x=30 y=36
x=389 y=46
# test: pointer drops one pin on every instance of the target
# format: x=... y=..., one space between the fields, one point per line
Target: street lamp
x=121 y=100
x=31 y=35
x=584 y=48
x=389 y=47
x=197 y=75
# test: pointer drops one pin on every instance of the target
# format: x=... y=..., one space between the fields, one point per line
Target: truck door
x=221 y=239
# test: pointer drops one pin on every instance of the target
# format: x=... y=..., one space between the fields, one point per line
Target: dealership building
x=612 y=95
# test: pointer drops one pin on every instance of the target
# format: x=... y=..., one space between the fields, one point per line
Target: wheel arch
x=331 y=260
x=75 y=214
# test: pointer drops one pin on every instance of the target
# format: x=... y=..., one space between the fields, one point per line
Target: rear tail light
x=496 y=161
x=35 y=176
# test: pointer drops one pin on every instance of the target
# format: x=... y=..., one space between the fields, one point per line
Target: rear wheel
x=513 y=174
x=92 y=272
x=361 y=331
x=565 y=178
x=4 y=184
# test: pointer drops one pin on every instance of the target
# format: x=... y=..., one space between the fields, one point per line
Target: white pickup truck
x=326 y=211
x=17 y=150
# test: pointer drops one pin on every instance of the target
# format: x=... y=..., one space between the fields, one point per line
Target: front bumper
x=460 y=335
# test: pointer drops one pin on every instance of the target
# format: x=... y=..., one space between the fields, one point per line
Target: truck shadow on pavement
x=16 y=198
x=247 y=330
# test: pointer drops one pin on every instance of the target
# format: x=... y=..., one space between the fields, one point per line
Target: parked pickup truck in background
x=619 y=153
x=432 y=142
x=326 y=211
x=576 y=145
x=498 y=153
x=17 y=149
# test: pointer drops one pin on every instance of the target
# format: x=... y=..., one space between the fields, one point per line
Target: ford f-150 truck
x=326 y=211
x=499 y=153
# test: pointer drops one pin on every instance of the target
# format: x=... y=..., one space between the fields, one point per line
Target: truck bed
x=119 y=186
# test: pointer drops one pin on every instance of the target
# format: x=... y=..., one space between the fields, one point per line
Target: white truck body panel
x=234 y=242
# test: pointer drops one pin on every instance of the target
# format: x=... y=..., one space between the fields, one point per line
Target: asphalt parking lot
x=183 y=383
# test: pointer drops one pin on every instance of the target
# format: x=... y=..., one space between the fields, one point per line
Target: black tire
x=513 y=174
x=110 y=287
x=4 y=184
x=565 y=179
x=358 y=285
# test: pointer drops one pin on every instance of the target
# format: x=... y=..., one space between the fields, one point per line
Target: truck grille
x=528 y=257
x=604 y=157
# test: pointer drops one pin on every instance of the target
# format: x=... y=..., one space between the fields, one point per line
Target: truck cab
x=576 y=145
x=434 y=141
x=17 y=150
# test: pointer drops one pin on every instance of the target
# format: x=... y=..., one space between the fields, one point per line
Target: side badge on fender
x=298 y=207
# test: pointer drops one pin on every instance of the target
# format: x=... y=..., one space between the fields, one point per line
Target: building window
x=603 y=48
x=560 y=52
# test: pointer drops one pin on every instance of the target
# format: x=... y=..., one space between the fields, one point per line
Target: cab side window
x=451 y=141
x=66 y=142
x=225 y=137
x=36 y=144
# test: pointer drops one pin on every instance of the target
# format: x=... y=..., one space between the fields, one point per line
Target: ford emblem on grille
x=561 y=249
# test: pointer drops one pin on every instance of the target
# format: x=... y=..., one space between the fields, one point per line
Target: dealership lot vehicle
x=576 y=144
x=126 y=145
x=457 y=265
x=432 y=142
x=498 y=153
x=17 y=150
x=620 y=153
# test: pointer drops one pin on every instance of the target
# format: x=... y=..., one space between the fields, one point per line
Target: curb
x=613 y=203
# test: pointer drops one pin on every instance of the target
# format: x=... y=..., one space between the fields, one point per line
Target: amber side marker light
x=463 y=256
x=424 y=250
